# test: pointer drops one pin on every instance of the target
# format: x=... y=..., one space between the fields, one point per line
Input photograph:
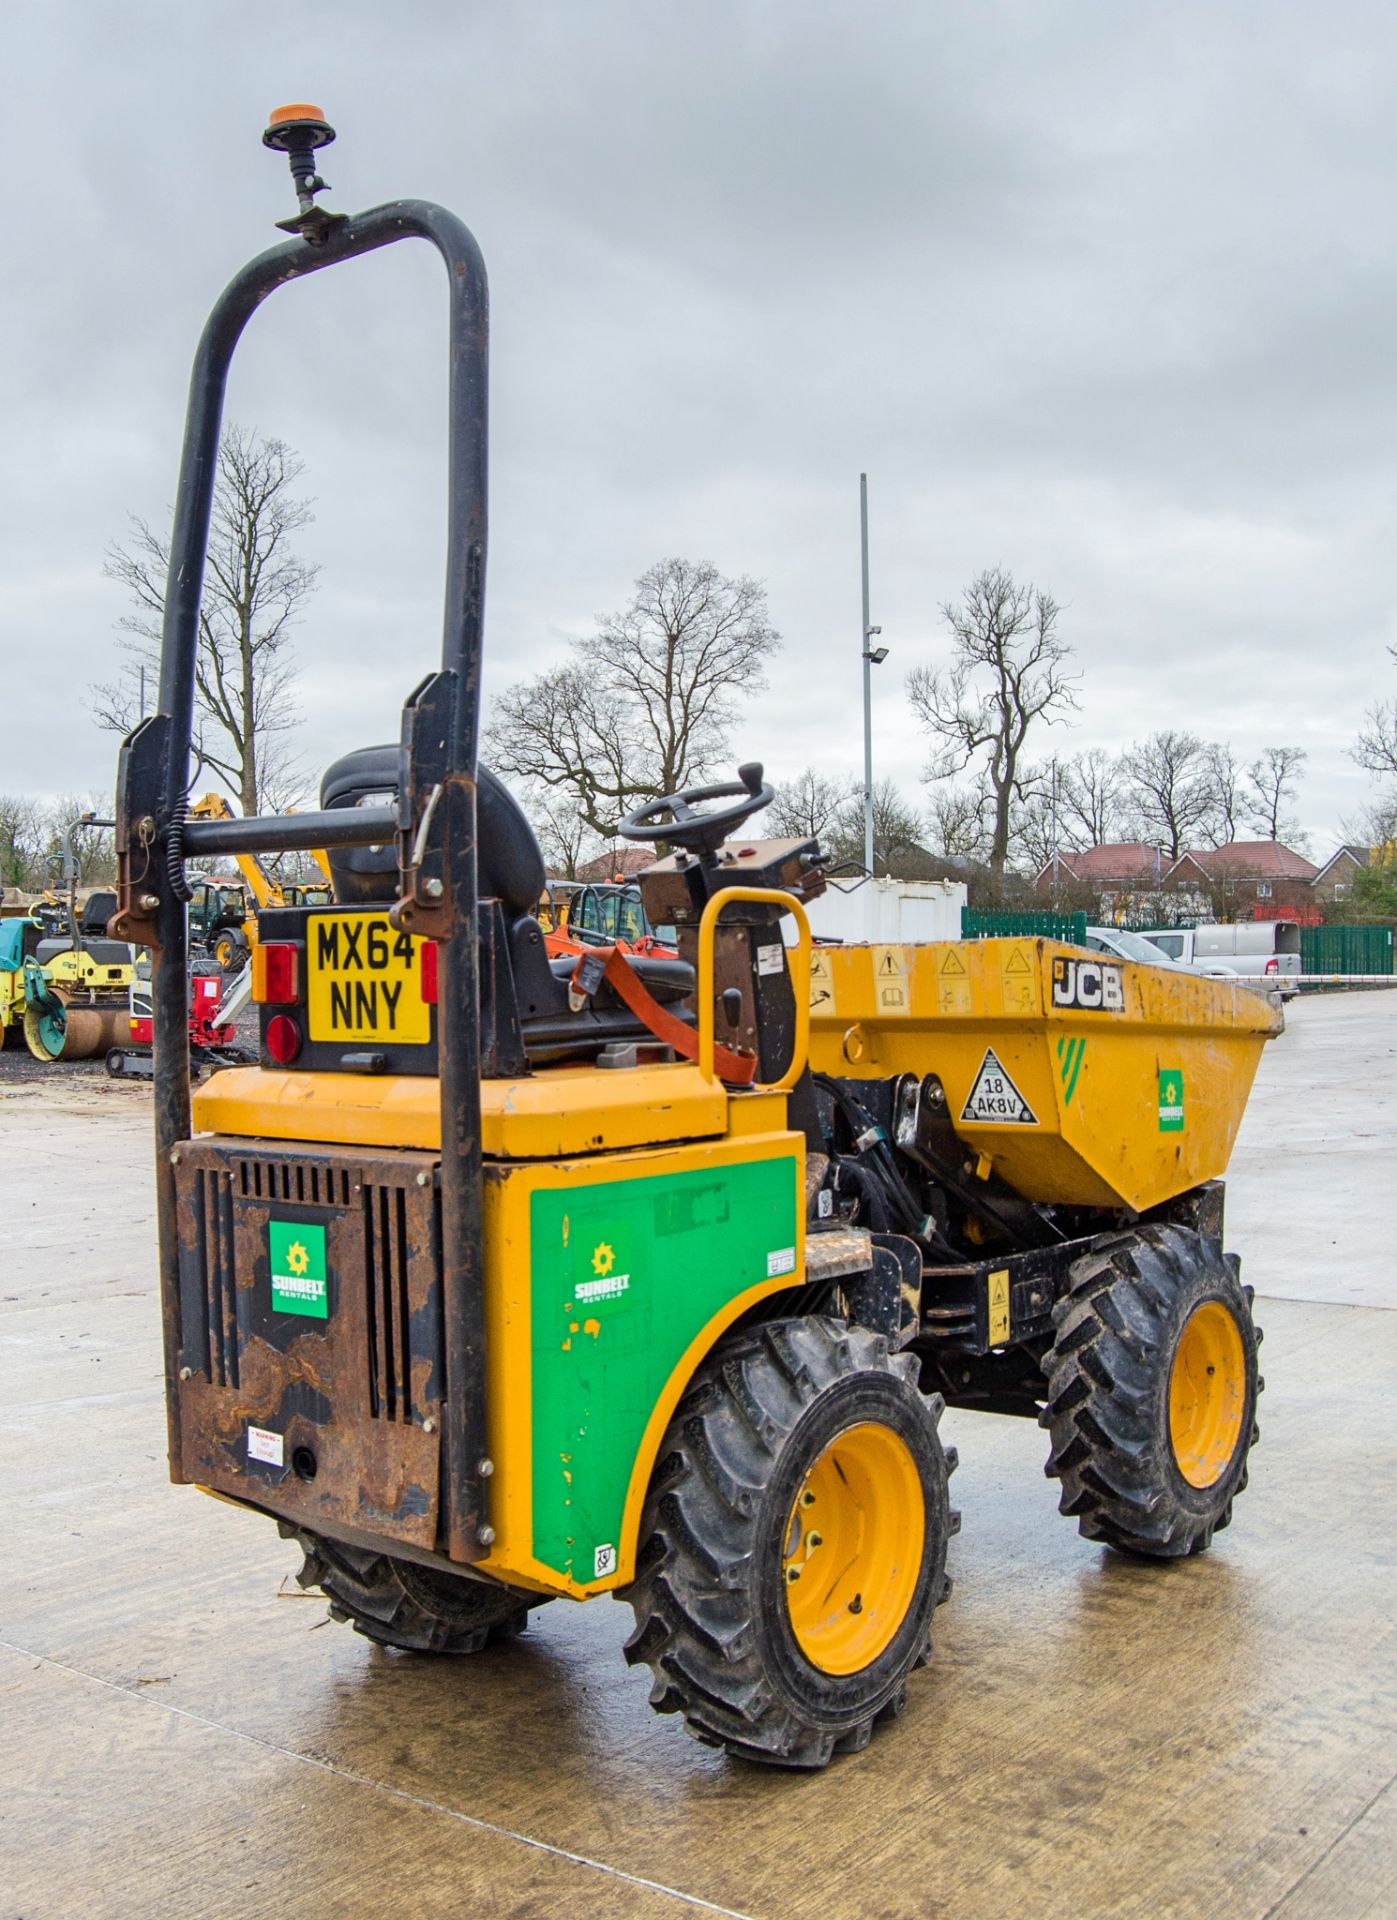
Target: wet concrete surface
x=183 y=1731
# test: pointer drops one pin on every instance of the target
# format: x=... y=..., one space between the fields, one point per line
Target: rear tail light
x=428 y=951
x=142 y=1031
x=1273 y=965
x=276 y=973
x=283 y=1039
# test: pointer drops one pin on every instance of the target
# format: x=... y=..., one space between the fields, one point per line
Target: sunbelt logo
x=296 y=1255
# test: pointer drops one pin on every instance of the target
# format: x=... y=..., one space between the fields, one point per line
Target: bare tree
x=809 y=807
x=1273 y=783
x=897 y=832
x=1376 y=746
x=1168 y=788
x=956 y=821
x=22 y=841
x=648 y=701
x=1090 y=791
x=1226 y=799
x=255 y=587
x=563 y=835
x=1008 y=670
x=561 y=732
x=1034 y=826
x=1040 y=823
x=94 y=848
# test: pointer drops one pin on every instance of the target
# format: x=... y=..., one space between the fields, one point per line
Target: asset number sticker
x=995 y=1099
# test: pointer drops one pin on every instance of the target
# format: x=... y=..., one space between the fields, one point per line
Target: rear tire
x=1152 y=1390
x=779 y=1639
x=403 y=1604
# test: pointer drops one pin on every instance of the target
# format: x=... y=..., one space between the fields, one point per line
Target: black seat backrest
x=98 y=911
x=509 y=864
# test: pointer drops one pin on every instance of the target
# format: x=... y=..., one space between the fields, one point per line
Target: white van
x=1265 y=952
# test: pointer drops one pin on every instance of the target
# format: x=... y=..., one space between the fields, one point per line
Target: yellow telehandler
x=501 y=1279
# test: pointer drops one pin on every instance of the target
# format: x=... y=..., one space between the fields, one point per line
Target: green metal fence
x=1346 y=949
x=980 y=923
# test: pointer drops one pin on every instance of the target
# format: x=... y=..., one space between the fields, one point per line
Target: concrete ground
x=181 y=1731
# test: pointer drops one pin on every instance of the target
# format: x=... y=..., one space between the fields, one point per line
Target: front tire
x=793 y=1543
x=403 y=1604
x=1152 y=1390
x=230 y=950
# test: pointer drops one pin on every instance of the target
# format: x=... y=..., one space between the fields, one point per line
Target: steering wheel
x=700 y=832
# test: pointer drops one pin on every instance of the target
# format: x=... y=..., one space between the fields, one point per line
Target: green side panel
x=623 y=1276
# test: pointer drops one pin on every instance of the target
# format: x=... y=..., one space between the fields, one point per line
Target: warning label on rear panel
x=995 y=1099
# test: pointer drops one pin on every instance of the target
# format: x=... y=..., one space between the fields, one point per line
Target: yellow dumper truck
x=501 y=1279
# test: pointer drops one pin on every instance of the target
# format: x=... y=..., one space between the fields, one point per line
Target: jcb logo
x=1092 y=985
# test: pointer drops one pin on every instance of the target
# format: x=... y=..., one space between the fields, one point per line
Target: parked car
x=1264 y=953
x=1131 y=946
x=1144 y=947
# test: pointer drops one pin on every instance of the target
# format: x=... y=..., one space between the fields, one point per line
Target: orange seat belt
x=735 y=1066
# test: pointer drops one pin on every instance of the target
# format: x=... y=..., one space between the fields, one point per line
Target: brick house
x=1335 y=877
x=617 y=863
x=1244 y=880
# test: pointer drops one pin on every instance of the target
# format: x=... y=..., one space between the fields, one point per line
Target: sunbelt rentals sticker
x=296 y=1255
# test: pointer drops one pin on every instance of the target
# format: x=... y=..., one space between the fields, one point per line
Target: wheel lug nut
x=792 y=1575
x=807 y=1499
x=813 y=1540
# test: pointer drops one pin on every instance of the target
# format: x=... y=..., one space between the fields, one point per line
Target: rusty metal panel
x=328 y=1412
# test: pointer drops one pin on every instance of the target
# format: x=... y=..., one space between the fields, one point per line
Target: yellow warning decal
x=1017 y=981
x=952 y=983
x=890 y=979
x=999 y=1307
x=821 y=981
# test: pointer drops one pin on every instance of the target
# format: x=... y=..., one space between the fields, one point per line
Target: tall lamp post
x=872 y=657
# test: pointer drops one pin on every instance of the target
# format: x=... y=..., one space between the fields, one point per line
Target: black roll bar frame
x=434 y=822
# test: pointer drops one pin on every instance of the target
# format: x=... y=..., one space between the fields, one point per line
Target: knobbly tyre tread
x=402 y=1604
x=1107 y=1411
x=698 y=1564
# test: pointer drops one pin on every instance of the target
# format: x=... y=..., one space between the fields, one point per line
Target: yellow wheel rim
x=1207 y=1394
x=853 y=1549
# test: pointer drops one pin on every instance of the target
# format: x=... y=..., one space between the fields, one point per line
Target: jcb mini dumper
x=502 y=1278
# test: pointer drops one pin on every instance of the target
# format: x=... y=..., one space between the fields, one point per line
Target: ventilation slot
x=388 y=1316
x=215 y=1192
x=304 y=1185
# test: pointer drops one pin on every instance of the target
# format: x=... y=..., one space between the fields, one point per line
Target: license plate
x=364 y=980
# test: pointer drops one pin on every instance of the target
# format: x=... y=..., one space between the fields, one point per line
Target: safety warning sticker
x=952 y=983
x=995 y=1099
x=821 y=982
x=890 y=978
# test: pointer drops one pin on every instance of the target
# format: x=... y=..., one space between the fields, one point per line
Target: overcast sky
x=1102 y=294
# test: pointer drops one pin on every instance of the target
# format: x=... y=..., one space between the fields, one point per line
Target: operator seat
x=508 y=861
x=510 y=868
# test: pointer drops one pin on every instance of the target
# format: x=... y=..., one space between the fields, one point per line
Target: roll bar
x=434 y=821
